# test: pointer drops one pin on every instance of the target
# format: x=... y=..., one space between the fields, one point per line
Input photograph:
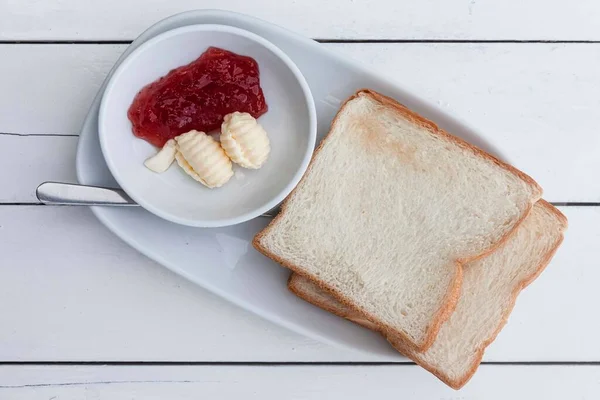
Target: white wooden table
x=82 y=315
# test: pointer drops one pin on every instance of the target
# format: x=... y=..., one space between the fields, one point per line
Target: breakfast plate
x=222 y=260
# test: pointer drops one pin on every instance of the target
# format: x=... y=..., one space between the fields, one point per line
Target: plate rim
x=427 y=108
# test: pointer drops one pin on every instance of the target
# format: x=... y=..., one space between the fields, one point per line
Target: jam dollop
x=197 y=96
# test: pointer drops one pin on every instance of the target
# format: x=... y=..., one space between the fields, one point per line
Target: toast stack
x=407 y=230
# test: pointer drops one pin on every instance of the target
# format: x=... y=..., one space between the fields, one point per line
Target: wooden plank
x=492 y=382
x=334 y=19
x=31 y=160
x=533 y=102
x=54 y=100
x=83 y=294
x=69 y=290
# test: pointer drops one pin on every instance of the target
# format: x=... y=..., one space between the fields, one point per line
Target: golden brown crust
x=444 y=313
x=401 y=347
x=526 y=281
x=556 y=212
x=295 y=287
x=433 y=128
x=453 y=291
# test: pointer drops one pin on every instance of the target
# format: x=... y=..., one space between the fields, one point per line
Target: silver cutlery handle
x=56 y=193
x=81 y=195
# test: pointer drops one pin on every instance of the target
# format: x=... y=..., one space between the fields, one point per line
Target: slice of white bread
x=489 y=291
x=389 y=208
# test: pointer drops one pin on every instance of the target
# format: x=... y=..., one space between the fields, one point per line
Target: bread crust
x=398 y=343
x=432 y=127
x=294 y=287
x=460 y=382
x=451 y=298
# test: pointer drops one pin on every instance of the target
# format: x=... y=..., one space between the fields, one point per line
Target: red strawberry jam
x=197 y=96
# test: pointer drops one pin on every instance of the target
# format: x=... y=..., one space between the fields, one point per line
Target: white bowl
x=290 y=122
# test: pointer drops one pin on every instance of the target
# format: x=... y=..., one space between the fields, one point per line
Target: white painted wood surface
x=332 y=19
x=535 y=102
x=71 y=291
x=492 y=382
x=83 y=295
x=34 y=159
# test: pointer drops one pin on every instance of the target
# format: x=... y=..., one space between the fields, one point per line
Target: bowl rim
x=271 y=203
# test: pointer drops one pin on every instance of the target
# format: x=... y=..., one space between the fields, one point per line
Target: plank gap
x=34 y=203
x=275 y=363
x=39 y=134
x=327 y=41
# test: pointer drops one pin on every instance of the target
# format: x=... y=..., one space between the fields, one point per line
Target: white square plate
x=223 y=260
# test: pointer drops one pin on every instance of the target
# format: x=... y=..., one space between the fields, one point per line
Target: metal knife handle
x=80 y=195
x=57 y=193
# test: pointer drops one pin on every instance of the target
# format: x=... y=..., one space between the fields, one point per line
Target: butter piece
x=203 y=158
x=244 y=140
x=162 y=160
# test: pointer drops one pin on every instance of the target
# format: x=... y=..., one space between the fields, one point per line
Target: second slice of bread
x=490 y=288
x=389 y=209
